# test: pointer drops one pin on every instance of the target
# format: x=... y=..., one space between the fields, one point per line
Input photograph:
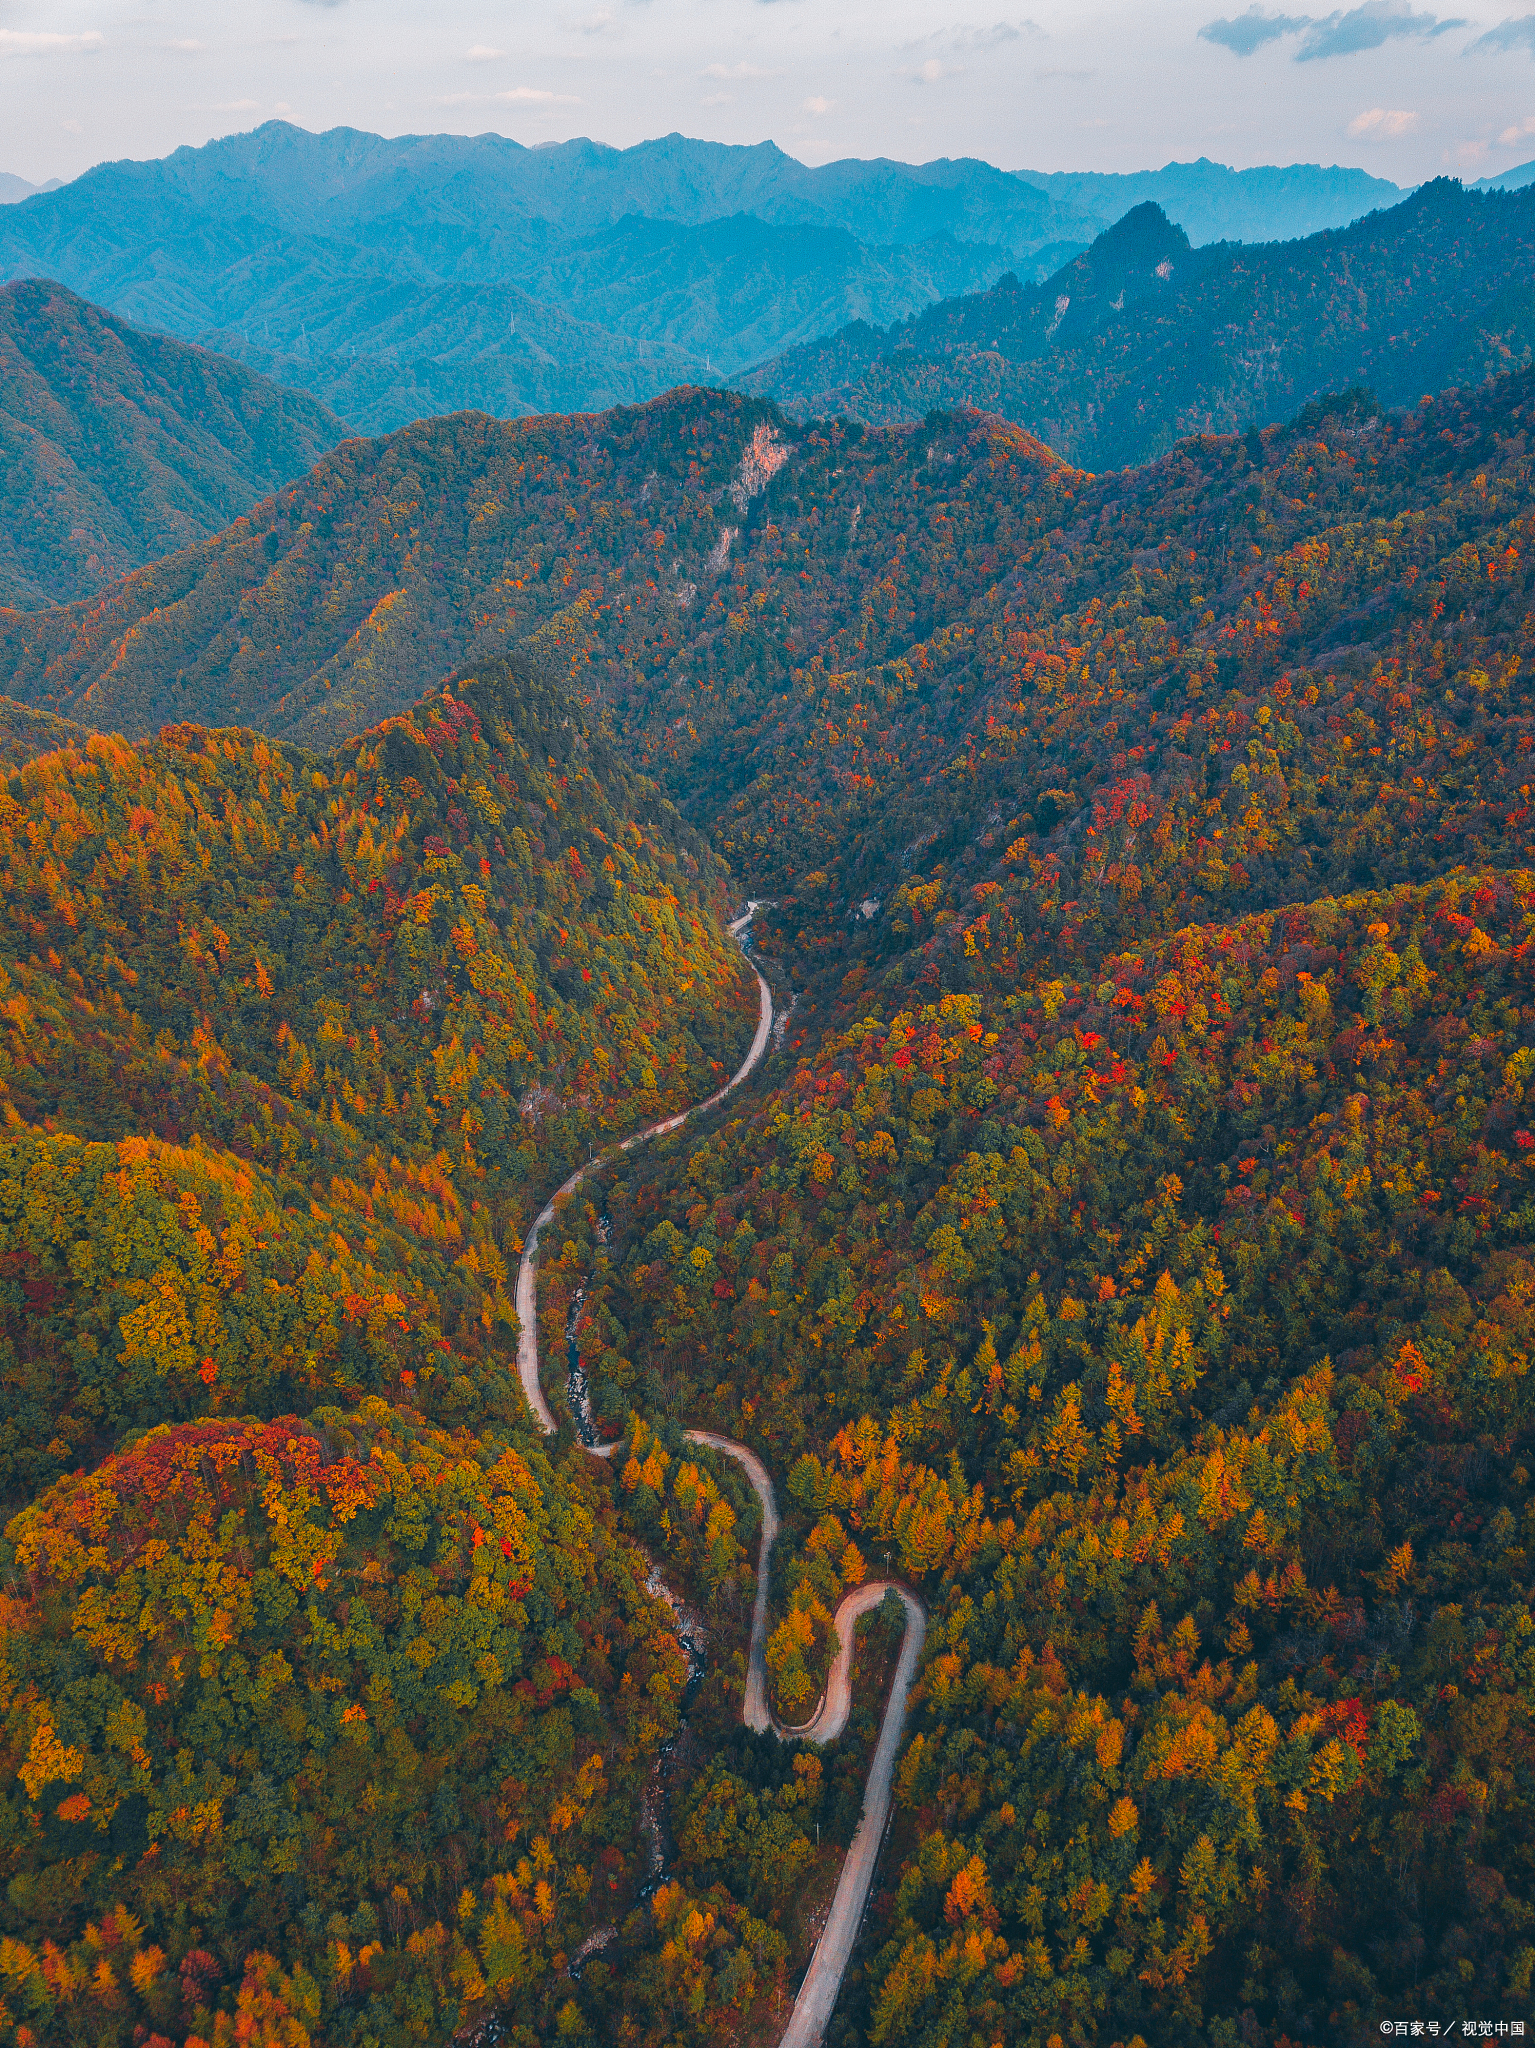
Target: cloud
x=1340 y=34
x=1368 y=27
x=515 y=96
x=1000 y=32
x=1517 y=33
x=1250 y=31
x=19 y=42
x=730 y=71
x=1519 y=132
x=934 y=73
x=1382 y=124
x=718 y=99
x=971 y=37
x=483 y=53
x=818 y=105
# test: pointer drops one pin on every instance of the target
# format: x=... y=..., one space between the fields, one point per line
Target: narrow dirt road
x=754 y=1709
x=817 y=1998
x=823 y=1980
x=526 y=1300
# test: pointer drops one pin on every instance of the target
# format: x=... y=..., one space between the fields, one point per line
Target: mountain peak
x=1141 y=338
x=1144 y=229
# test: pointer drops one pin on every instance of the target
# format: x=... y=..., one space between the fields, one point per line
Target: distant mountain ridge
x=1213 y=203
x=407 y=277
x=401 y=277
x=117 y=446
x=1142 y=339
x=1507 y=181
x=14 y=189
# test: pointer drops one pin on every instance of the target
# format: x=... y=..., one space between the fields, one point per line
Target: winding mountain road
x=823 y=1980
x=526 y=1299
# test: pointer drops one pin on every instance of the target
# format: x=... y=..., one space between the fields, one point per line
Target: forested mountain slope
x=398 y=278
x=25 y=733
x=300 y=1619
x=117 y=446
x=340 y=600
x=1131 y=1240
x=1137 y=1244
x=410 y=977
x=1141 y=339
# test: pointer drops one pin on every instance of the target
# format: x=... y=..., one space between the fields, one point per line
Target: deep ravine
x=822 y=1982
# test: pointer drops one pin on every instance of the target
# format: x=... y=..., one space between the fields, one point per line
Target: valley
x=1055 y=1316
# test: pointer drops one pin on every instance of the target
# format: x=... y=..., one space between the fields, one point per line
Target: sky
x=1402 y=90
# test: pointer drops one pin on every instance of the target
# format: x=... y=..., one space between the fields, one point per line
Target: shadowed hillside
x=118 y=446
x=1141 y=339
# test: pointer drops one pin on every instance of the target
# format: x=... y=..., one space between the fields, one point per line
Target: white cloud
x=1519 y=132
x=483 y=53
x=1000 y=32
x=515 y=96
x=1382 y=124
x=1517 y=33
x=718 y=99
x=970 y=36
x=19 y=42
x=735 y=71
x=819 y=105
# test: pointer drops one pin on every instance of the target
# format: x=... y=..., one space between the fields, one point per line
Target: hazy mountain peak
x=1145 y=231
x=14 y=189
x=1508 y=181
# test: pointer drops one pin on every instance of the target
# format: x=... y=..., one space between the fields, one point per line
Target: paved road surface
x=754 y=1711
x=817 y=1998
x=823 y=1980
x=527 y=1272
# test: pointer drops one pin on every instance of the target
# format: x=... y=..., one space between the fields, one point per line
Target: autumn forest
x=1127 y=1244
